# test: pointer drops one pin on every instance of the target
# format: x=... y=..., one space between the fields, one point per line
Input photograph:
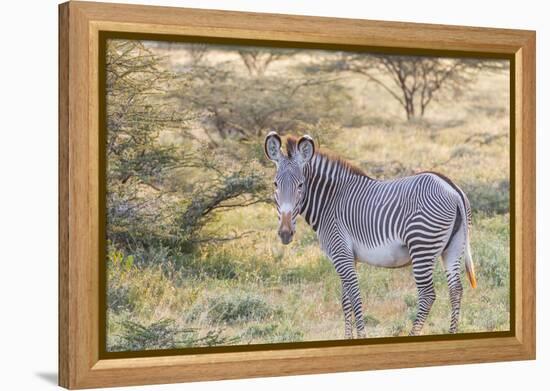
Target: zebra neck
x=325 y=181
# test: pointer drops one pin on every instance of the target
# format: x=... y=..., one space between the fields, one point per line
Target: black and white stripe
x=392 y=223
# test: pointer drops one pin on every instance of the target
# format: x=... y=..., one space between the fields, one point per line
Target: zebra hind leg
x=423 y=276
x=451 y=262
x=455 y=294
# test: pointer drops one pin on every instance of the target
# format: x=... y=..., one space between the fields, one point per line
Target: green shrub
x=241 y=307
x=261 y=331
x=397 y=328
x=118 y=298
x=158 y=335
x=371 y=320
x=151 y=256
x=217 y=266
x=226 y=264
x=288 y=334
x=410 y=301
x=142 y=290
x=314 y=271
x=272 y=333
x=489 y=197
x=118 y=293
x=490 y=249
x=164 y=334
x=493 y=271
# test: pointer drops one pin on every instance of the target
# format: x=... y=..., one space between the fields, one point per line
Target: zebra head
x=289 y=180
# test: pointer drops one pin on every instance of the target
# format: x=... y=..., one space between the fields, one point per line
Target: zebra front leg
x=350 y=285
x=346 y=307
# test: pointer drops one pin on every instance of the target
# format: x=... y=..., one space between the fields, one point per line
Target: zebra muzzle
x=285 y=230
x=286 y=236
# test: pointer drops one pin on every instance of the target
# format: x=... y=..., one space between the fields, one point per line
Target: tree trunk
x=409 y=108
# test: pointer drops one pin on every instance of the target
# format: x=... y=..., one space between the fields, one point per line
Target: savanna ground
x=193 y=254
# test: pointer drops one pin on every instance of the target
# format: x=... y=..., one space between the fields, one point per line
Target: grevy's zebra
x=390 y=223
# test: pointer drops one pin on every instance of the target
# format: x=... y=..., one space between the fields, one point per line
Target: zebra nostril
x=286 y=236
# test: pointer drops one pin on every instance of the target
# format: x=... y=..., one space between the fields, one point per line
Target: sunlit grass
x=255 y=290
x=274 y=293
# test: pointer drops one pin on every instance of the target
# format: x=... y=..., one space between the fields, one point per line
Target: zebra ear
x=306 y=148
x=272 y=146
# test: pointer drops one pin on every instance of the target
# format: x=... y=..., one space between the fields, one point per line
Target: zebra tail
x=470 y=271
x=468 y=263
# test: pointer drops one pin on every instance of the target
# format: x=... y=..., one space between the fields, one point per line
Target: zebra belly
x=391 y=254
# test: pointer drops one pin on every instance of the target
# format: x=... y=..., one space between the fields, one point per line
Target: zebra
x=387 y=223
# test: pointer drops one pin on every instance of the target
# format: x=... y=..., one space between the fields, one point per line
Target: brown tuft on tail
x=470 y=271
x=472 y=278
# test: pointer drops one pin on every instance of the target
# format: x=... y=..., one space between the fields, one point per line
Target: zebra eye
x=275 y=184
x=300 y=186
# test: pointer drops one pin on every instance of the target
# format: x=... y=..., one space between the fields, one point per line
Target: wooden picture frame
x=81 y=364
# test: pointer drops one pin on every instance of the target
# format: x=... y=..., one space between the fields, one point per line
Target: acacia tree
x=135 y=159
x=145 y=205
x=418 y=78
x=232 y=106
x=132 y=79
x=257 y=60
x=197 y=52
x=412 y=81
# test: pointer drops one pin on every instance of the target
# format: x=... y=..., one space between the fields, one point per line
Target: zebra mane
x=291 y=145
x=291 y=149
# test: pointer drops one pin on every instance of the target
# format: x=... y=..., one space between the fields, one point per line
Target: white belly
x=390 y=254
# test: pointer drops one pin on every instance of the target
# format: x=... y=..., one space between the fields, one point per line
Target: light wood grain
x=79 y=362
x=526 y=195
x=64 y=353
